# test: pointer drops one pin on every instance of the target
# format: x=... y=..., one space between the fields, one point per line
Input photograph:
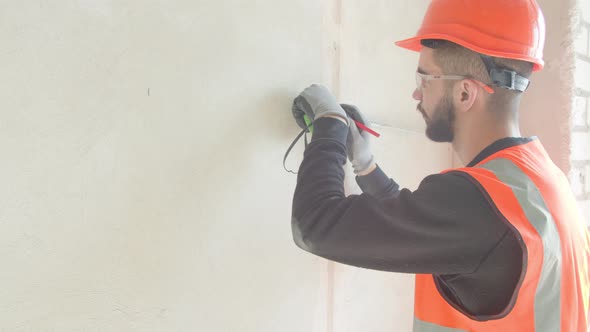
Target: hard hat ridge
x=512 y=29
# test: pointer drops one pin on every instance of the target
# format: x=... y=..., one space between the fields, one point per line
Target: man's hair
x=458 y=60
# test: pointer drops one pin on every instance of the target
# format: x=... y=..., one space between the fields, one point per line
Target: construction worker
x=498 y=245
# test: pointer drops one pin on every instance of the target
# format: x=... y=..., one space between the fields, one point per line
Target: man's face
x=436 y=102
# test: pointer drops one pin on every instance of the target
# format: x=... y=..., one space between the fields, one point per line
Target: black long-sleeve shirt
x=448 y=227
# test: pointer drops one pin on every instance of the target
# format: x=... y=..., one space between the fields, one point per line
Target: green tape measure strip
x=308 y=123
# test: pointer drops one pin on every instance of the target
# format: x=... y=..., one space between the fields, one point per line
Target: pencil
x=367 y=129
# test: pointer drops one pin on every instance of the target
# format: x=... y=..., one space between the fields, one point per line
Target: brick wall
x=580 y=157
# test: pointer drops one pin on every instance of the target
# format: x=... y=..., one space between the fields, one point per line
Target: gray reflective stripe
x=421 y=326
x=548 y=294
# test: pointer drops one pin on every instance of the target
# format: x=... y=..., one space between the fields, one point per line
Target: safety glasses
x=421 y=80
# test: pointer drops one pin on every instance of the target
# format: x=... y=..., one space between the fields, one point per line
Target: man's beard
x=439 y=128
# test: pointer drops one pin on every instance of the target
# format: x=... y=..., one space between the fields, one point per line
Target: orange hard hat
x=513 y=29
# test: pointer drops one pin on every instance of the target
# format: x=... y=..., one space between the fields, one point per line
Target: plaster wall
x=580 y=122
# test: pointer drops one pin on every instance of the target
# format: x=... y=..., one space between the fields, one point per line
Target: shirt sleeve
x=378 y=184
x=444 y=227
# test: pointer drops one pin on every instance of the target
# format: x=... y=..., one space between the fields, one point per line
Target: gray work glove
x=316 y=101
x=357 y=142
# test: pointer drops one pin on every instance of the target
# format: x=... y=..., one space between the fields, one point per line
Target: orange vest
x=553 y=292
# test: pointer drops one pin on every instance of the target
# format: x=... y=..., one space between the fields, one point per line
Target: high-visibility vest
x=535 y=198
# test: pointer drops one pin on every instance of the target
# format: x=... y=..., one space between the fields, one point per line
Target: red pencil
x=369 y=130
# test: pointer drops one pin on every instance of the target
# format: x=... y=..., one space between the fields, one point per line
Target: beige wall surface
x=546 y=106
x=580 y=144
x=142 y=186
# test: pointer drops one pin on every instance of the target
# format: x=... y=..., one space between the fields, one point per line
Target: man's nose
x=417 y=95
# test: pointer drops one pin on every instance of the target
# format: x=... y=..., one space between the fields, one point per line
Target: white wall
x=580 y=147
x=124 y=211
x=141 y=144
x=555 y=107
x=547 y=104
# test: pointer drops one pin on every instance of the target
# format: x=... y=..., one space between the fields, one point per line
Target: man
x=498 y=245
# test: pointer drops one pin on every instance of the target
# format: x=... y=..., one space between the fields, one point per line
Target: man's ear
x=464 y=95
